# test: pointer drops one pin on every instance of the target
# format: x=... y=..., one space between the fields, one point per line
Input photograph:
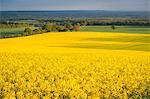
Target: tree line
x=64 y=25
x=53 y=27
x=104 y=22
x=48 y=27
x=14 y=25
x=82 y=22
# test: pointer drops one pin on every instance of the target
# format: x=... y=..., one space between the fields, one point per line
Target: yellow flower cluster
x=76 y=74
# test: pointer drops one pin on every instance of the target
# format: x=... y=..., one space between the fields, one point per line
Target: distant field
x=119 y=29
x=123 y=29
x=12 y=31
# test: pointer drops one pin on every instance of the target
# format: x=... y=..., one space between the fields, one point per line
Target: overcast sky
x=125 y=5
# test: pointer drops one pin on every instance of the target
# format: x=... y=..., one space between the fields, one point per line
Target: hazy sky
x=125 y=5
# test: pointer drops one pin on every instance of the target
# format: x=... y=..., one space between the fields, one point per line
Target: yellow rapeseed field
x=75 y=65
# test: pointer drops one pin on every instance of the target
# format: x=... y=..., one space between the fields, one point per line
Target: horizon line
x=83 y=10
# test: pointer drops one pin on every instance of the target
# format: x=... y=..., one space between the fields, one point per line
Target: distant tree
x=69 y=26
x=113 y=27
x=54 y=27
x=45 y=27
x=28 y=31
x=76 y=27
x=78 y=24
x=83 y=23
x=37 y=31
x=49 y=27
x=61 y=28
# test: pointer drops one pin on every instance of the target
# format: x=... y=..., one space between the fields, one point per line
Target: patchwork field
x=118 y=29
x=12 y=31
x=78 y=65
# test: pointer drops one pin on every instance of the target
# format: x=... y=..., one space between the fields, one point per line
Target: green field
x=12 y=31
x=123 y=29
